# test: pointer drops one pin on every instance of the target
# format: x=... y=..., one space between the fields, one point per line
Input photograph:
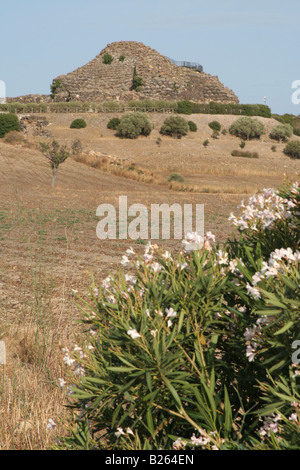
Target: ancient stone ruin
x=129 y=70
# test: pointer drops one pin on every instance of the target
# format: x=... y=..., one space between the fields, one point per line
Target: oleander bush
x=200 y=349
x=247 y=128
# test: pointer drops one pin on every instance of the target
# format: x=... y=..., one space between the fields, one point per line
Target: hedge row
x=179 y=107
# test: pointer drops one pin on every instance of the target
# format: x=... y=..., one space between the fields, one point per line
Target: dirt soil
x=61 y=223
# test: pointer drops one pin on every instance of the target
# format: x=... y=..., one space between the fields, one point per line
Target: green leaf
x=284 y=328
x=228 y=412
x=173 y=392
x=121 y=369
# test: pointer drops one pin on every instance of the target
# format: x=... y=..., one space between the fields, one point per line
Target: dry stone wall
x=97 y=81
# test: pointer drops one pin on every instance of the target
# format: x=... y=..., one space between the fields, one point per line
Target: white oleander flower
x=133 y=333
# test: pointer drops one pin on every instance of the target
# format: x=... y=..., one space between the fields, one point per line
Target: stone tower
x=161 y=79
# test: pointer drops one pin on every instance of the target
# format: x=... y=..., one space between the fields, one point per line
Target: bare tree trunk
x=54 y=173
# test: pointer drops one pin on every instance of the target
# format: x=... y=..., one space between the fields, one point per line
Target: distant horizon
x=250 y=47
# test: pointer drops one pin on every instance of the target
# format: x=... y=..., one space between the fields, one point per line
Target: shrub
x=215 y=134
x=185 y=107
x=224 y=131
x=14 y=137
x=240 y=153
x=133 y=125
x=247 y=128
x=107 y=59
x=215 y=126
x=195 y=350
x=192 y=126
x=176 y=177
x=121 y=58
x=137 y=82
x=273 y=148
x=8 y=122
x=282 y=132
x=78 y=124
x=113 y=123
x=77 y=147
x=296 y=132
x=175 y=126
x=205 y=143
x=54 y=87
x=243 y=144
x=292 y=149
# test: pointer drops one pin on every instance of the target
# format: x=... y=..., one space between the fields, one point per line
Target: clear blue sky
x=253 y=46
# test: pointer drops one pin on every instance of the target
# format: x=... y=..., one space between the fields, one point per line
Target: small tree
x=282 y=132
x=192 y=126
x=133 y=125
x=292 y=149
x=113 y=123
x=8 y=122
x=78 y=124
x=215 y=126
x=56 y=154
x=175 y=126
x=247 y=128
x=54 y=86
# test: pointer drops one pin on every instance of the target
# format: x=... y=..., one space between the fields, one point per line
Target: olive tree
x=56 y=155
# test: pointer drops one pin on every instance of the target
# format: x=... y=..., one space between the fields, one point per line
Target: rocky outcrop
x=161 y=79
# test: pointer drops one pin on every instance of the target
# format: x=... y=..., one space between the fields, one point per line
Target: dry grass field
x=49 y=247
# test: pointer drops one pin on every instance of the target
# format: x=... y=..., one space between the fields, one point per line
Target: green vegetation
x=292 y=149
x=78 y=124
x=215 y=126
x=192 y=126
x=215 y=134
x=137 y=82
x=175 y=126
x=247 y=128
x=121 y=58
x=294 y=121
x=176 y=177
x=282 y=132
x=8 y=122
x=240 y=153
x=205 y=143
x=179 y=107
x=77 y=147
x=133 y=125
x=197 y=349
x=56 y=154
x=188 y=107
x=54 y=87
x=113 y=123
x=107 y=59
